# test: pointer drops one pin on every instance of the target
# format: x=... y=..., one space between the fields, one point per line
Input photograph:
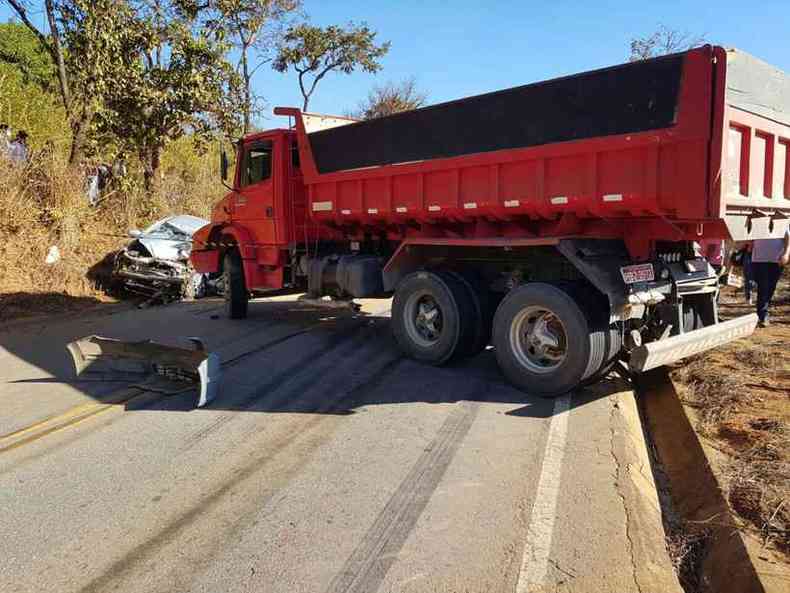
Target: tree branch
x=57 y=54
x=261 y=63
x=22 y=12
x=323 y=73
x=304 y=93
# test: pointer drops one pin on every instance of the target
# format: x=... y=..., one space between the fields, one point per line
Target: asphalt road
x=328 y=463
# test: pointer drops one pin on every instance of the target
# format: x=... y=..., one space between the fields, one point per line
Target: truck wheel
x=235 y=292
x=483 y=314
x=432 y=314
x=696 y=312
x=544 y=343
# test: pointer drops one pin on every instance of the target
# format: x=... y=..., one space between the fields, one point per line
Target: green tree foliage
x=52 y=42
x=391 y=98
x=173 y=80
x=27 y=81
x=313 y=52
x=21 y=51
x=253 y=28
x=133 y=75
x=661 y=42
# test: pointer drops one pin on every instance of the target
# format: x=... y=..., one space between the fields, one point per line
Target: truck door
x=254 y=200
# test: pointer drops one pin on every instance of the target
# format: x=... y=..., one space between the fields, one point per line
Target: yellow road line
x=68 y=418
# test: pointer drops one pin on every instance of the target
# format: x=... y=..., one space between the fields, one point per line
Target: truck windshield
x=257 y=163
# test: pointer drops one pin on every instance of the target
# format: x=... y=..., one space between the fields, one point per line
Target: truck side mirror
x=223 y=165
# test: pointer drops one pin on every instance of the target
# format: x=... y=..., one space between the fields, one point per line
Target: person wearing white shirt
x=769 y=257
x=17 y=150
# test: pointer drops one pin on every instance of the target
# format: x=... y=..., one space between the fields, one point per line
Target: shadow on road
x=287 y=357
x=20 y=305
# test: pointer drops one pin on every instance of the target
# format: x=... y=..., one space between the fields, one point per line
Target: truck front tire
x=235 y=293
x=432 y=316
x=543 y=340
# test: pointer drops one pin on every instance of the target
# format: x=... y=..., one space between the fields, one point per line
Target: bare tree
x=391 y=98
x=663 y=41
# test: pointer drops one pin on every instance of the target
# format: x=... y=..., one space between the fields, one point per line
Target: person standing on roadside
x=748 y=274
x=5 y=140
x=769 y=257
x=18 y=152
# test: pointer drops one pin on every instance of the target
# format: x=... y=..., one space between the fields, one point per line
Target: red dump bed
x=689 y=144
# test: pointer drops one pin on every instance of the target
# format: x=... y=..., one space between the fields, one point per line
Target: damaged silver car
x=156 y=264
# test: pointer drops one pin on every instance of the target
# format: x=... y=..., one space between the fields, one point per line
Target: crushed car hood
x=165 y=238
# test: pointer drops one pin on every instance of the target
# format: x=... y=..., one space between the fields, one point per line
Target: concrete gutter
x=732 y=561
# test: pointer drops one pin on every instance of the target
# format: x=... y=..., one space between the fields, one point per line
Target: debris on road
x=111 y=357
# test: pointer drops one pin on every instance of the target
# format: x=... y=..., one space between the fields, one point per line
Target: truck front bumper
x=663 y=352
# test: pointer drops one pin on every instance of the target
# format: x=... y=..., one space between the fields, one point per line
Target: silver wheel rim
x=423 y=319
x=538 y=339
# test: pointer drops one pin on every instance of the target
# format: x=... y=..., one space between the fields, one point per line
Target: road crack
x=618 y=469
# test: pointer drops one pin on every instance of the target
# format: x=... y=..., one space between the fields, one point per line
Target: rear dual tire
x=433 y=317
x=546 y=344
x=548 y=339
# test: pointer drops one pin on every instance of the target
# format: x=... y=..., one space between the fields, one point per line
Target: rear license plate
x=637 y=273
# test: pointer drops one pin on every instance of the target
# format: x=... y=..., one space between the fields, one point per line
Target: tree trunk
x=79 y=135
x=247 y=107
x=151 y=162
x=305 y=93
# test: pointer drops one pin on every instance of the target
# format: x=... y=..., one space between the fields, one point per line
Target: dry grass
x=740 y=394
x=759 y=480
x=44 y=205
x=715 y=395
x=687 y=548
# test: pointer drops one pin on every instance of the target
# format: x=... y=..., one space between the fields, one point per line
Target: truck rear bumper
x=662 y=352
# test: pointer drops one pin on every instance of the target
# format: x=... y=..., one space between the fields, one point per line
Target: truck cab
x=258 y=224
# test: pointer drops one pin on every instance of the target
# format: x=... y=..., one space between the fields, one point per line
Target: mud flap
x=662 y=352
x=119 y=359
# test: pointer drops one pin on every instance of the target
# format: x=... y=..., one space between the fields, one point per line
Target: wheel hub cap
x=424 y=321
x=538 y=339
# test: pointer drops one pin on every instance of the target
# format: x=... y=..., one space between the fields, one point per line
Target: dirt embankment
x=738 y=398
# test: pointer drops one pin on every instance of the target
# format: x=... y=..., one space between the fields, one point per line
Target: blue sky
x=460 y=47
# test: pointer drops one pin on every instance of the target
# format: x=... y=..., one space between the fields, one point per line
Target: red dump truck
x=557 y=221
